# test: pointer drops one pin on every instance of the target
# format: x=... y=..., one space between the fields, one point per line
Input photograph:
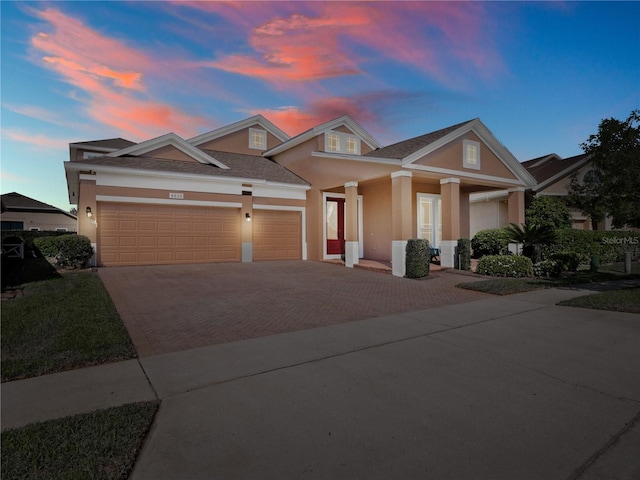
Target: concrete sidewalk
x=504 y=387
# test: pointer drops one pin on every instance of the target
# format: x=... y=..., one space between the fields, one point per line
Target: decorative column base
x=351 y=250
x=398 y=257
x=447 y=253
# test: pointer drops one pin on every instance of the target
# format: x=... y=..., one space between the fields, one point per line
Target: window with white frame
x=341 y=142
x=471 y=154
x=257 y=139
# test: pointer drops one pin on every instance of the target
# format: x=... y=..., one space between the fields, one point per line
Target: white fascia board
x=166 y=140
x=497 y=148
x=322 y=129
x=486 y=196
x=280 y=191
x=357 y=158
x=237 y=126
x=467 y=175
x=166 y=201
x=564 y=173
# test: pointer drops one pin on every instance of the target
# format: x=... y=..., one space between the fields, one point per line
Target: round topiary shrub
x=492 y=241
x=505 y=266
x=548 y=269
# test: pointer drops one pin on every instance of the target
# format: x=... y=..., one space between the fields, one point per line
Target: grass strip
x=626 y=300
x=60 y=324
x=99 y=445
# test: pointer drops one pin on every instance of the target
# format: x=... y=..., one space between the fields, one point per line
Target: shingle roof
x=240 y=166
x=407 y=147
x=115 y=143
x=16 y=202
x=543 y=170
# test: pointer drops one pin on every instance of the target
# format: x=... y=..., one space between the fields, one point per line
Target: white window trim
x=343 y=142
x=61 y=229
x=465 y=160
x=34 y=229
x=255 y=146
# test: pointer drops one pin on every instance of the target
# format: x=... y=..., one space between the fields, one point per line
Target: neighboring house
x=552 y=175
x=24 y=213
x=249 y=192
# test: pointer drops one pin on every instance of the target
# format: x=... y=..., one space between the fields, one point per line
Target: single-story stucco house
x=20 y=212
x=250 y=192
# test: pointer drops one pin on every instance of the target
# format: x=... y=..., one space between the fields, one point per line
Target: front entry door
x=335 y=226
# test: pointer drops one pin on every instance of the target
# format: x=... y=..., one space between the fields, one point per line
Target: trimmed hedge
x=548 y=269
x=505 y=266
x=462 y=260
x=29 y=236
x=492 y=241
x=69 y=250
x=610 y=246
x=418 y=258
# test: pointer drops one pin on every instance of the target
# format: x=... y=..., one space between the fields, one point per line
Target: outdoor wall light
x=89 y=212
x=247 y=216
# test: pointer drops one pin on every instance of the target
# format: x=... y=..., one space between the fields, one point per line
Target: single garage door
x=277 y=235
x=131 y=234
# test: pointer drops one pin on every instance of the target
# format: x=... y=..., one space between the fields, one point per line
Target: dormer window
x=471 y=154
x=257 y=139
x=340 y=142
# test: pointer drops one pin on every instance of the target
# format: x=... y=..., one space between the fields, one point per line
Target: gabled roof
x=239 y=166
x=15 y=202
x=170 y=139
x=550 y=168
x=241 y=125
x=405 y=148
x=345 y=120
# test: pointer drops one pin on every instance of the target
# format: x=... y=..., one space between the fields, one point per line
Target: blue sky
x=540 y=75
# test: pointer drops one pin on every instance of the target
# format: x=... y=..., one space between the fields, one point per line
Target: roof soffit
x=170 y=139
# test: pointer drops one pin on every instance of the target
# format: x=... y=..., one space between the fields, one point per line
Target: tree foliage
x=547 y=210
x=613 y=187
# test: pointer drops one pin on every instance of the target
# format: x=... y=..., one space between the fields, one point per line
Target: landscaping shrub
x=492 y=241
x=505 y=266
x=547 y=210
x=418 y=258
x=48 y=246
x=548 y=269
x=610 y=246
x=462 y=260
x=75 y=251
x=570 y=260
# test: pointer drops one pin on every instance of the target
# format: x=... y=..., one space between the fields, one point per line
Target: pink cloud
x=35 y=140
x=111 y=75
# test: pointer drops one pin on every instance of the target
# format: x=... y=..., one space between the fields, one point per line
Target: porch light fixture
x=247 y=216
x=89 y=212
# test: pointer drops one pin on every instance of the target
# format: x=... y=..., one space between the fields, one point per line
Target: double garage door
x=132 y=234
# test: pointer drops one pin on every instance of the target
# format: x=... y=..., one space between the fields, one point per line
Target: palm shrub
x=531 y=236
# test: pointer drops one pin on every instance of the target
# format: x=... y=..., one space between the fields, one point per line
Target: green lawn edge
x=624 y=300
x=103 y=444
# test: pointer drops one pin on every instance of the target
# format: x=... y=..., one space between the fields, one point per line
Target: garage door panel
x=160 y=234
x=277 y=235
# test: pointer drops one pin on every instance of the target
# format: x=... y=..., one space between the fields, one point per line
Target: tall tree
x=613 y=186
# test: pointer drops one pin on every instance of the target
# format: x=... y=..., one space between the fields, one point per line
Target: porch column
x=450 y=197
x=465 y=218
x=401 y=216
x=351 y=246
x=516 y=205
x=88 y=225
x=247 y=227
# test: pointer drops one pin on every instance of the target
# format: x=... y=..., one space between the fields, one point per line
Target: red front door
x=335 y=226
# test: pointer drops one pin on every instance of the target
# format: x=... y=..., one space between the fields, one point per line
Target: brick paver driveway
x=180 y=307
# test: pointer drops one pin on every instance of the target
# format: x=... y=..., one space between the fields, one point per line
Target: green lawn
x=61 y=323
x=627 y=300
x=99 y=445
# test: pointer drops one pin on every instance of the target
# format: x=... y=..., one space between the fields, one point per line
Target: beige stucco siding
x=561 y=186
x=42 y=221
x=450 y=157
x=376 y=212
x=169 y=152
x=238 y=142
x=150 y=193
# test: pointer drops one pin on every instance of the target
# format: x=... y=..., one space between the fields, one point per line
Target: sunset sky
x=541 y=76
